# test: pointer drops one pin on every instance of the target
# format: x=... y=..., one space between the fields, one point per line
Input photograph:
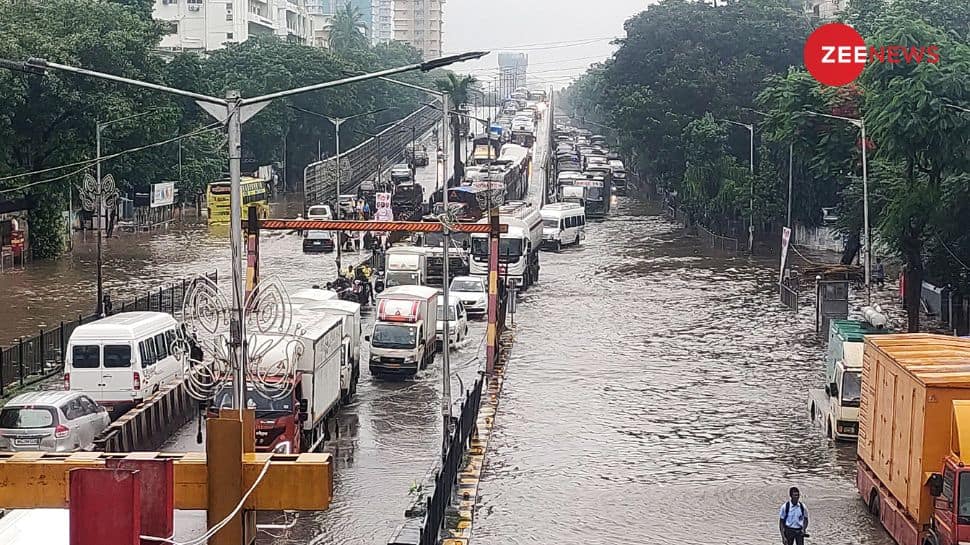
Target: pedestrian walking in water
x=793 y=519
x=879 y=273
x=106 y=305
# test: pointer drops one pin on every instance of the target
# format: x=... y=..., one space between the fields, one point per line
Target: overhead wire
x=90 y=162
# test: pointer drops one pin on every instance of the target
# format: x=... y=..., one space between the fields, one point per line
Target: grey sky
x=561 y=37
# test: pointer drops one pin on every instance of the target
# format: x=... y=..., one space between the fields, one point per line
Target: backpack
x=788 y=507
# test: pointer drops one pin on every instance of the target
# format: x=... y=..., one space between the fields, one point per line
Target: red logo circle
x=835 y=54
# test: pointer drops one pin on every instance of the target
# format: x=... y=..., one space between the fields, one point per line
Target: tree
x=907 y=118
x=50 y=121
x=458 y=89
x=348 y=32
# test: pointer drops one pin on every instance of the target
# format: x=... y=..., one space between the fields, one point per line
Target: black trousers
x=794 y=536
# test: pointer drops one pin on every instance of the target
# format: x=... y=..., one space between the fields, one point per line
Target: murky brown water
x=678 y=417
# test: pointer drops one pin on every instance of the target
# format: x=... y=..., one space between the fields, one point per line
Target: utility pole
x=750 y=127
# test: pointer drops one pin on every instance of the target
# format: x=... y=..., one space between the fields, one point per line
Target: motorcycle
x=356 y=293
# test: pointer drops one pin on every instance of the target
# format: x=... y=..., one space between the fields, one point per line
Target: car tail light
x=67 y=381
x=61 y=431
x=136 y=381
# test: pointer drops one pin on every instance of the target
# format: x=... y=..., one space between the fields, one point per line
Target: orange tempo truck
x=914 y=431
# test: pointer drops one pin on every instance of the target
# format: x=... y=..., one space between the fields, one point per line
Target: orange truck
x=914 y=429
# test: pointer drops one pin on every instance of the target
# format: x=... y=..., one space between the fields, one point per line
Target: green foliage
x=458 y=89
x=348 y=32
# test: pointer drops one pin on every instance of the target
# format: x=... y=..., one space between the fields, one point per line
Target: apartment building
x=205 y=25
x=826 y=9
x=419 y=23
x=383 y=14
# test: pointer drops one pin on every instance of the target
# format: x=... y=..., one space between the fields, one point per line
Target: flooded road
x=657 y=394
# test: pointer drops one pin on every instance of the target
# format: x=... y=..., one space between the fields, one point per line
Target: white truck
x=406 y=266
x=518 y=252
x=349 y=312
x=293 y=410
x=403 y=339
x=836 y=407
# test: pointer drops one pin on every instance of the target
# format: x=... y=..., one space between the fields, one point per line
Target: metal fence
x=32 y=359
x=360 y=163
x=789 y=295
x=716 y=241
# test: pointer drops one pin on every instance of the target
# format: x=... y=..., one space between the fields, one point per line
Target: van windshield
x=86 y=356
x=851 y=389
x=551 y=223
x=394 y=336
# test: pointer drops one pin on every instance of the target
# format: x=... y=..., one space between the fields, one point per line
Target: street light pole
x=445 y=267
x=860 y=123
x=750 y=127
x=791 y=170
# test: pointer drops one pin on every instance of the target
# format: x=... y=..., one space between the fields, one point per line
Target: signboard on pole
x=163 y=194
x=17 y=243
x=785 y=237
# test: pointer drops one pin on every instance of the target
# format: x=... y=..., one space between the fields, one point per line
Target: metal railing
x=320 y=178
x=716 y=241
x=35 y=358
x=789 y=295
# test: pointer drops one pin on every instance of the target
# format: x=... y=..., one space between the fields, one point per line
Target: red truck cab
x=279 y=413
x=951 y=505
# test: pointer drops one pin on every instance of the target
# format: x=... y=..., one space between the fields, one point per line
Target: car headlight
x=410 y=359
x=283 y=447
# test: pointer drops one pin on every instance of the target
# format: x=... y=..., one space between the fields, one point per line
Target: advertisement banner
x=785 y=237
x=163 y=194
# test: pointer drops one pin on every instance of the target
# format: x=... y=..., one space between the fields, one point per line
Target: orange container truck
x=914 y=429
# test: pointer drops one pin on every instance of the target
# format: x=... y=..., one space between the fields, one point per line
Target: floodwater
x=657 y=394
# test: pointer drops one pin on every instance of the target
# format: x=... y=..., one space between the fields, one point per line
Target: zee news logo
x=835 y=54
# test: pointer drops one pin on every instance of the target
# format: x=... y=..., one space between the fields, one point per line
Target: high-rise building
x=513 y=68
x=419 y=23
x=383 y=29
x=204 y=25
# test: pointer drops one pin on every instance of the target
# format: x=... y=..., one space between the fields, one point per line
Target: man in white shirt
x=793 y=519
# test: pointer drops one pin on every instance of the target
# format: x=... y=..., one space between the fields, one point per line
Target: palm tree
x=347 y=30
x=458 y=89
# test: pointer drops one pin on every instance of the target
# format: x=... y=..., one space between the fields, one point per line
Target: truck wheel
x=874 y=506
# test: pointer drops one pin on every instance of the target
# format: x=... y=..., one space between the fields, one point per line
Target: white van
x=122 y=359
x=563 y=223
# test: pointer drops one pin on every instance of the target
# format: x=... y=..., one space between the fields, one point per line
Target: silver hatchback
x=54 y=421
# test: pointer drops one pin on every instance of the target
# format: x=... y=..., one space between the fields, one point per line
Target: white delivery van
x=349 y=312
x=122 y=359
x=563 y=223
x=404 y=333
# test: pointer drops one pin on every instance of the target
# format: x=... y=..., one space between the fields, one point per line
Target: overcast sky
x=561 y=37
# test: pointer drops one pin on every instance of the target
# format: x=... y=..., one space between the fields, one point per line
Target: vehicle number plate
x=26 y=441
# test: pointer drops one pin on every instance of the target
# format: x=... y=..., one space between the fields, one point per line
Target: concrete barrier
x=148 y=425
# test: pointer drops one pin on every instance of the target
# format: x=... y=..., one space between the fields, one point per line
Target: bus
x=254 y=193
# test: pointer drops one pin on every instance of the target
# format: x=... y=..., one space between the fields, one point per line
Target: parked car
x=53 y=421
x=320 y=212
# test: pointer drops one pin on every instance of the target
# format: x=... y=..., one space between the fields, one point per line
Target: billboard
x=163 y=194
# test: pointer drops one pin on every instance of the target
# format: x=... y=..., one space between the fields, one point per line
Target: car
x=472 y=292
x=320 y=212
x=347 y=205
x=401 y=173
x=318 y=241
x=52 y=421
x=421 y=158
x=457 y=323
